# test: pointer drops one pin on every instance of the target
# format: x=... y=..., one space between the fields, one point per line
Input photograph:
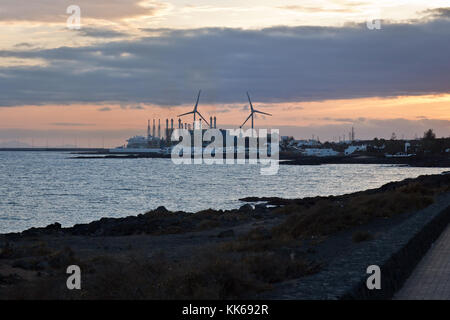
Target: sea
x=40 y=188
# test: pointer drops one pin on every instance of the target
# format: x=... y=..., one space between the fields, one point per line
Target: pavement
x=430 y=279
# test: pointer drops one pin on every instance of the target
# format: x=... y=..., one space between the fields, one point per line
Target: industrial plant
x=160 y=142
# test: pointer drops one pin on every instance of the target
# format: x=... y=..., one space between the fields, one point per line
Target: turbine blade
x=203 y=118
x=249 y=100
x=246 y=119
x=257 y=111
x=198 y=98
x=185 y=113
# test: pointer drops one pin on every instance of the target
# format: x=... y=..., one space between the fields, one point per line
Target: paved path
x=431 y=278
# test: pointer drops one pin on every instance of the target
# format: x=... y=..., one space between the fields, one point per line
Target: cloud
x=438 y=12
x=137 y=107
x=278 y=64
x=55 y=10
x=104 y=109
x=309 y=9
x=292 y=108
x=97 y=32
x=71 y=124
x=370 y=128
x=23 y=45
x=347 y=120
x=131 y=107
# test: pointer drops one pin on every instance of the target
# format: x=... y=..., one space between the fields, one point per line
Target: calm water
x=39 y=188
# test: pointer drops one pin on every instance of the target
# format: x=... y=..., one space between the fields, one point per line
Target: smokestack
x=179 y=124
x=167 y=128
x=159 y=128
x=148 y=129
x=210 y=122
x=171 y=124
x=154 y=127
x=215 y=126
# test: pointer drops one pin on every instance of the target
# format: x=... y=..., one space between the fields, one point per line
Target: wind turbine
x=252 y=112
x=195 y=111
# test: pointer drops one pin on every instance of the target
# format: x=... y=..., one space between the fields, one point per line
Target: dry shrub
x=328 y=216
x=360 y=236
x=10 y=251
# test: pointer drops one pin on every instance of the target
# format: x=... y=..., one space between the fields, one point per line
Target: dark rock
x=53 y=227
x=260 y=208
x=10 y=279
x=246 y=208
x=226 y=234
x=161 y=209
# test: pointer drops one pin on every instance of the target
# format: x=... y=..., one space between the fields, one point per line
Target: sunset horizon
x=224 y=158
x=323 y=69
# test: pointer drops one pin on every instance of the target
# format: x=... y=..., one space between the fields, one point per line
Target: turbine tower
x=195 y=111
x=252 y=112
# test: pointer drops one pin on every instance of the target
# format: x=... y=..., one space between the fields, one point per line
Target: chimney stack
x=211 y=122
x=154 y=127
x=215 y=127
x=159 y=128
x=167 y=128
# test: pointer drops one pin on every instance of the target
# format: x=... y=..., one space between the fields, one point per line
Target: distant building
x=351 y=149
x=316 y=152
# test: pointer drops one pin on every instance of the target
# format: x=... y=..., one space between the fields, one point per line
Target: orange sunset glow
x=317 y=67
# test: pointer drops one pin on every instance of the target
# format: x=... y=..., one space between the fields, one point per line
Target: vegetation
x=330 y=215
x=360 y=236
x=234 y=267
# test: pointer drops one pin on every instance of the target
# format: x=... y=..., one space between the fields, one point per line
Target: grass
x=207 y=276
x=330 y=215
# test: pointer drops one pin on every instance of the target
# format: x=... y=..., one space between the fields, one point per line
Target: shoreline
x=420 y=162
x=417 y=161
x=262 y=249
x=431 y=161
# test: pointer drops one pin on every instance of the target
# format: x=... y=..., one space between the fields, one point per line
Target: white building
x=352 y=149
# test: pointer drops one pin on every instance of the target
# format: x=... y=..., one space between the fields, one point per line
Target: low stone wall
x=412 y=246
x=396 y=253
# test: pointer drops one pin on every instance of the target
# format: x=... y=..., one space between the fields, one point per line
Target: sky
x=319 y=67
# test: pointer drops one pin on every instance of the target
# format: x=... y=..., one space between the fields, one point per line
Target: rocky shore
x=415 y=161
x=257 y=250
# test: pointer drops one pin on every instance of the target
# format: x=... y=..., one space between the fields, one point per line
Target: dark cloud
x=136 y=108
x=277 y=64
x=131 y=107
x=23 y=45
x=439 y=12
x=105 y=109
x=95 y=32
